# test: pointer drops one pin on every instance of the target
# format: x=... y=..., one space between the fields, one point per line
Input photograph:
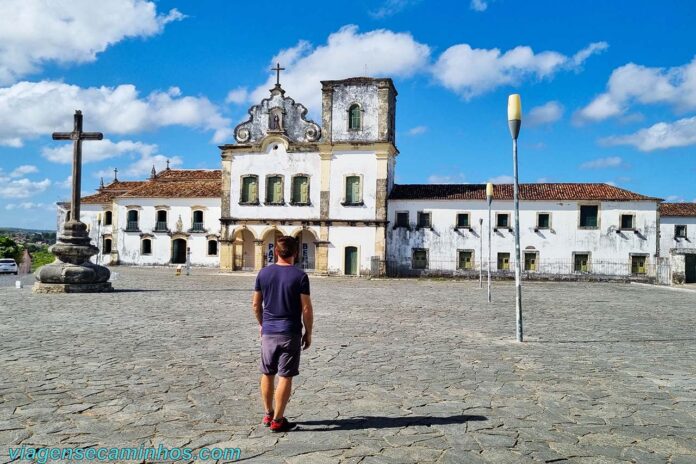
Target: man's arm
x=307 y=319
x=257 y=305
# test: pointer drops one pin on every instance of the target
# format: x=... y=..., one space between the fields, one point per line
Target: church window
x=274 y=190
x=353 y=194
x=637 y=264
x=502 y=220
x=161 y=223
x=146 y=247
x=581 y=262
x=300 y=190
x=424 y=221
x=420 y=258
x=680 y=231
x=463 y=220
x=197 y=225
x=543 y=220
x=354 y=115
x=212 y=247
x=108 y=218
x=250 y=189
x=132 y=223
x=466 y=259
x=503 y=261
x=67 y=216
x=402 y=219
x=106 y=247
x=627 y=222
x=588 y=216
x=530 y=261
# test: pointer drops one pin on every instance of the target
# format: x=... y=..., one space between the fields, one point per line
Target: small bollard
x=178 y=270
x=19 y=284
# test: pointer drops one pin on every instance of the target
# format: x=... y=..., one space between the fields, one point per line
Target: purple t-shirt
x=281 y=287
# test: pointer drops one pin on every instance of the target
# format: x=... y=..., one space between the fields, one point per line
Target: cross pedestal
x=72 y=271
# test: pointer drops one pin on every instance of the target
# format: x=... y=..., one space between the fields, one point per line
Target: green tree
x=10 y=249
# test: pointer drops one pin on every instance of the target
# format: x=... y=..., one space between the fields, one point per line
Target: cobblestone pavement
x=401 y=371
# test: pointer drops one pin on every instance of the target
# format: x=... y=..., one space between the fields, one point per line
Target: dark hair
x=286 y=246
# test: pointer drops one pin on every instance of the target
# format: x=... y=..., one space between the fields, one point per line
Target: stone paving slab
x=407 y=371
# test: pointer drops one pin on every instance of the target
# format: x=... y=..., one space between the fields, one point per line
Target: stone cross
x=277 y=69
x=77 y=136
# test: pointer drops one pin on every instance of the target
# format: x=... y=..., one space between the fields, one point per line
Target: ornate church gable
x=277 y=115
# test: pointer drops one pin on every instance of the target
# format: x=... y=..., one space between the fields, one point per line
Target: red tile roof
x=569 y=191
x=171 y=183
x=189 y=174
x=678 y=209
x=178 y=189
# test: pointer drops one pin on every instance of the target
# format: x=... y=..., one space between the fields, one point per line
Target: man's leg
x=282 y=396
x=267 y=382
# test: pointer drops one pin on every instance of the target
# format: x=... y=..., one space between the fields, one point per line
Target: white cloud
x=659 y=136
x=238 y=96
x=347 y=53
x=675 y=199
x=633 y=83
x=22 y=188
x=97 y=151
x=392 y=7
x=31 y=109
x=23 y=170
x=474 y=71
x=35 y=32
x=458 y=178
x=141 y=156
x=504 y=179
x=418 y=130
x=601 y=163
x=14 y=142
x=29 y=205
x=545 y=114
x=543 y=180
x=478 y=5
x=65 y=184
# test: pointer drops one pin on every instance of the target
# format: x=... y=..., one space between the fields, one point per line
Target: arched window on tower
x=354 y=115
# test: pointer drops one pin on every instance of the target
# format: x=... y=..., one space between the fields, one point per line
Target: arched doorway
x=307 y=249
x=178 y=251
x=269 y=240
x=351 y=261
x=243 y=249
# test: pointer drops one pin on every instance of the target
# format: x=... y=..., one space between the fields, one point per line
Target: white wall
x=343 y=97
x=347 y=163
x=341 y=237
x=129 y=243
x=558 y=243
x=275 y=161
x=667 y=240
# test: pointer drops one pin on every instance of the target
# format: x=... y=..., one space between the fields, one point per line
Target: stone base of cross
x=72 y=271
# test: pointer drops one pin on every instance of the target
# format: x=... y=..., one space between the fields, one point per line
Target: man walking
x=281 y=303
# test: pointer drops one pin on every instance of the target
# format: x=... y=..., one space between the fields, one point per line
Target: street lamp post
x=489 y=197
x=480 y=252
x=99 y=248
x=514 y=123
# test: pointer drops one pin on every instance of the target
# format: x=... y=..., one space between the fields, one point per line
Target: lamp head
x=514 y=107
x=489 y=190
x=99 y=218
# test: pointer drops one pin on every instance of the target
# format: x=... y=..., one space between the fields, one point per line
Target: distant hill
x=6 y=230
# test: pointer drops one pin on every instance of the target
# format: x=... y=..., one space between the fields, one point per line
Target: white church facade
x=331 y=185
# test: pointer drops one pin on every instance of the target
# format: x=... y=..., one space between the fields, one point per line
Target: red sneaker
x=267 y=419
x=282 y=425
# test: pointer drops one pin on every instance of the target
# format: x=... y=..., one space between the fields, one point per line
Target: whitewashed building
x=678 y=239
x=331 y=185
x=172 y=217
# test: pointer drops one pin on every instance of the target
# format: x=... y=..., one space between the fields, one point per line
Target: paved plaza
x=401 y=371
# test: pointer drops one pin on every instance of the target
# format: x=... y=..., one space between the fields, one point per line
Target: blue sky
x=608 y=88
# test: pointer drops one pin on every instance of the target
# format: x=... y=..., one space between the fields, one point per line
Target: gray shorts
x=280 y=354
